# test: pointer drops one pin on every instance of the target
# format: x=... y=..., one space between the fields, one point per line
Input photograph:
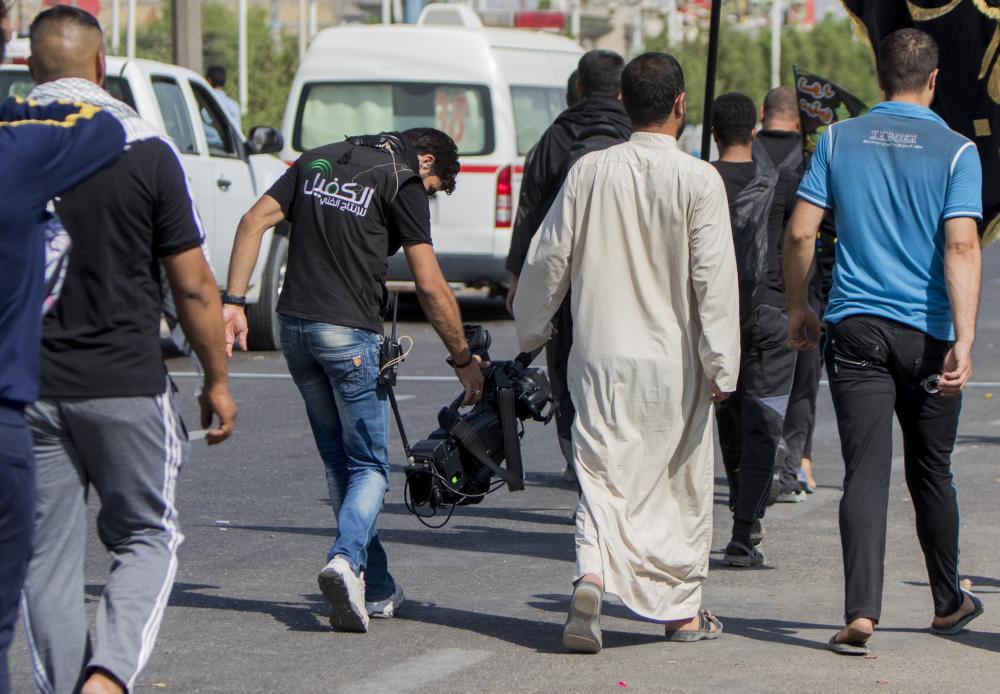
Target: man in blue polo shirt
x=901 y=321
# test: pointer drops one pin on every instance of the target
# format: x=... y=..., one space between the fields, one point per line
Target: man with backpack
x=779 y=144
x=750 y=422
x=595 y=121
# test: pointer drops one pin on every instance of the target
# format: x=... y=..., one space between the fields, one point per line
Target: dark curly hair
x=435 y=142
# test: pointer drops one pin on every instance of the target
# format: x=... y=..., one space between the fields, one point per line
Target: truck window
x=118 y=88
x=218 y=131
x=534 y=110
x=174 y=109
x=329 y=111
x=19 y=83
x=15 y=83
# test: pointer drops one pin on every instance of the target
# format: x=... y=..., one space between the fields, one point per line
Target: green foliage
x=830 y=50
x=271 y=68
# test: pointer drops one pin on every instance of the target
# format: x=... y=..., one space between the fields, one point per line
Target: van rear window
x=330 y=111
x=534 y=110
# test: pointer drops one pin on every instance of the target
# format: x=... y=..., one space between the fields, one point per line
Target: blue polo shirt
x=894 y=176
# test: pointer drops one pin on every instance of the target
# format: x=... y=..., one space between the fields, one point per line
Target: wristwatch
x=233 y=299
x=453 y=364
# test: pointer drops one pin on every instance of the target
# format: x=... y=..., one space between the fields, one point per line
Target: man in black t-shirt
x=750 y=422
x=105 y=415
x=351 y=205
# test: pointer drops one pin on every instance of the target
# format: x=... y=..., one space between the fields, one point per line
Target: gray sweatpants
x=130 y=450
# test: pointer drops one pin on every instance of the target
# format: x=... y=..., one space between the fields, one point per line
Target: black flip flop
x=857 y=643
x=964 y=621
x=847 y=648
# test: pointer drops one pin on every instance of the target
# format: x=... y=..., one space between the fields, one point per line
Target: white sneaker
x=346 y=593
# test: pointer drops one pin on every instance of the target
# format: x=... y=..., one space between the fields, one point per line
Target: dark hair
x=600 y=73
x=216 y=75
x=733 y=119
x=782 y=102
x=63 y=13
x=432 y=141
x=651 y=84
x=573 y=88
x=906 y=59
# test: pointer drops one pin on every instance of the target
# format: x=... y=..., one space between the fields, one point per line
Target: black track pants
x=557 y=359
x=750 y=421
x=876 y=367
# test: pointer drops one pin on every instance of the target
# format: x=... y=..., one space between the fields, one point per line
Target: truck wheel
x=265 y=332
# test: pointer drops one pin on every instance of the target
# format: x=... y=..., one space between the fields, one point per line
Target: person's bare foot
x=101 y=683
x=857 y=632
x=966 y=584
x=967 y=608
x=807 y=467
x=691 y=624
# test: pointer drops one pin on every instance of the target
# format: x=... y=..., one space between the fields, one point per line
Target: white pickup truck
x=226 y=172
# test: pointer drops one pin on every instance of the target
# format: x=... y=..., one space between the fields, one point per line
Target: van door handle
x=223 y=183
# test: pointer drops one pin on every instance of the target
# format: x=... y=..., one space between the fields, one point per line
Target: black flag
x=967 y=33
x=822 y=103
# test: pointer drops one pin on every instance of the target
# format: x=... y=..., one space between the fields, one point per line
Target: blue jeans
x=336 y=370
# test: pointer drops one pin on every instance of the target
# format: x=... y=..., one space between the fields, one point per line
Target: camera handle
x=391 y=357
x=513 y=474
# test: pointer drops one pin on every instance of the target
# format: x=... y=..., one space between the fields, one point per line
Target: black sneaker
x=738 y=554
x=757 y=533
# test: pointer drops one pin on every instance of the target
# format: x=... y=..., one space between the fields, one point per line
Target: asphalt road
x=487 y=595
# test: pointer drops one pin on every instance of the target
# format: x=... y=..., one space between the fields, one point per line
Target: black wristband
x=452 y=364
x=232 y=299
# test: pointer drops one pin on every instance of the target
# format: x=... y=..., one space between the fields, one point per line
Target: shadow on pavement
x=543 y=637
x=297 y=616
x=772 y=630
x=475 y=309
x=557 y=546
x=557 y=516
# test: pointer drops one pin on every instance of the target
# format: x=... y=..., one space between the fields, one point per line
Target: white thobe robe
x=641 y=231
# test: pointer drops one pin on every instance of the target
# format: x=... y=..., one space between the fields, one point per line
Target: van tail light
x=504 y=198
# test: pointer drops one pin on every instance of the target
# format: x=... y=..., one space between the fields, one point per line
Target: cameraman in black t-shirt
x=351 y=205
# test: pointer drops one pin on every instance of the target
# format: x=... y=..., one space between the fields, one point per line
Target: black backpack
x=592 y=138
x=749 y=211
x=794 y=162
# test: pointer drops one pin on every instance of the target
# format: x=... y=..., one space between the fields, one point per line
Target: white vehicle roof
x=438 y=54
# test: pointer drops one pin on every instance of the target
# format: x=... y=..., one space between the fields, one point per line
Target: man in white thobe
x=641 y=231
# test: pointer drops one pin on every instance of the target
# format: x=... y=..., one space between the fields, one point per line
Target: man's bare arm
x=200 y=312
x=265 y=213
x=962 y=271
x=438 y=302
x=798 y=251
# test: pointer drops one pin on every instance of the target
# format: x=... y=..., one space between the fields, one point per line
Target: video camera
x=456 y=464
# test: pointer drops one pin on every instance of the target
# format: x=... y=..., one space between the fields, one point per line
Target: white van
x=495 y=91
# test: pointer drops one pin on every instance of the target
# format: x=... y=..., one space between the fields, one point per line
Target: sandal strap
x=707 y=619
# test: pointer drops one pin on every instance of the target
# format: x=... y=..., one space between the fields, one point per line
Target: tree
x=830 y=49
x=271 y=68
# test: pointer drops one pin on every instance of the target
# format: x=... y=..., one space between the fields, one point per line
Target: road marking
x=287 y=377
x=415 y=674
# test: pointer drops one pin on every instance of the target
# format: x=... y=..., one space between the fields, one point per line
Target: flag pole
x=713 y=59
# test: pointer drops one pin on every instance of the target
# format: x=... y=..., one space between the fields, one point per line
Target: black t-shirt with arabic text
x=350 y=208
